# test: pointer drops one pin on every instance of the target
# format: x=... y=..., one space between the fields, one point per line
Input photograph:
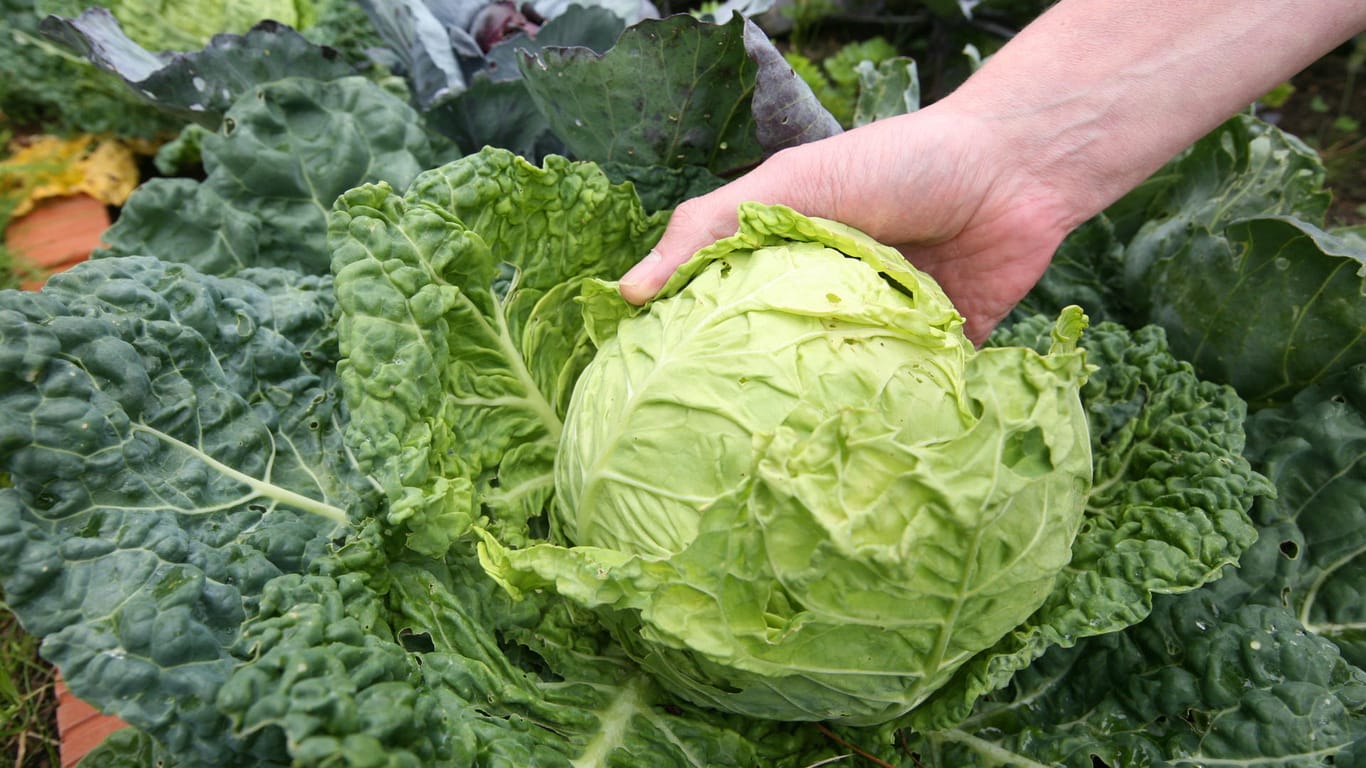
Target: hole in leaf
x=1290 y=549
x=416 y=642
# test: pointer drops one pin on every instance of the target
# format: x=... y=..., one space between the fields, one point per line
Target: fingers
x=643 y=281
x=703 y=220
x=694 y=225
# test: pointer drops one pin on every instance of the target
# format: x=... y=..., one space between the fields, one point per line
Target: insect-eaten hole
x=416 y=642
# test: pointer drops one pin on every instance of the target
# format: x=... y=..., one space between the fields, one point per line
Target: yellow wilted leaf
x=52 y=166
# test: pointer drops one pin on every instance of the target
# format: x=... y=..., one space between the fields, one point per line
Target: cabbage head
x=793 y=489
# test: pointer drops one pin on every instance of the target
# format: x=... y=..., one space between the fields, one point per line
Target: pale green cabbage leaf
x=460 y=333
x=793 y=487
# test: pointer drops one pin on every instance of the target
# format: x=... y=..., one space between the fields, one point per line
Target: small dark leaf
x=672 y=92
x=786 y=111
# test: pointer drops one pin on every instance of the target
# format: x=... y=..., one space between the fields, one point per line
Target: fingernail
x=643 y=270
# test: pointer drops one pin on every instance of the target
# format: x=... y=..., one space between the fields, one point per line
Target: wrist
x=1092 y=98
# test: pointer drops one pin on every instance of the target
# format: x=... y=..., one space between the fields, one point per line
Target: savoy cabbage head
x=794 y=488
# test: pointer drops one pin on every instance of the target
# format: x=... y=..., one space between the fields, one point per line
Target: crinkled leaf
x=285 y=152
x=1168 y=511
x=460 y=330
x=419 y=662
x=174 y=442
x=128 y=748
x=662 y=188
x=1312 y=536
x=198 y=86
x=1198 y=683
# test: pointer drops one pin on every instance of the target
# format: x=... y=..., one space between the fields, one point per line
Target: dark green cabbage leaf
x=284 y=152
x=1227 y=248
x=174 y=442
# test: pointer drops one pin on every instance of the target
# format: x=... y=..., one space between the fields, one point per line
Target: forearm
x=1095 y=95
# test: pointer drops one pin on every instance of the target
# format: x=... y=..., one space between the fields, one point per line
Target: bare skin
x=980 y=188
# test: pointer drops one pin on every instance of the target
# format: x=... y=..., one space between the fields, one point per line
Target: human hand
x=939 y=186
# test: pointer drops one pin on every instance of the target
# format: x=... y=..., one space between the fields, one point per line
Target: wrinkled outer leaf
x=419 y=662
x=461 y=334
x=1311 y=553
x=198 y=86
x=284 y=153
x=1198 y=683
x=1167 y=514
x=174 y=442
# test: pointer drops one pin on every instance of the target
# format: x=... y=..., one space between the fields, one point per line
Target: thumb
x=703 y=220
x=694 y=224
